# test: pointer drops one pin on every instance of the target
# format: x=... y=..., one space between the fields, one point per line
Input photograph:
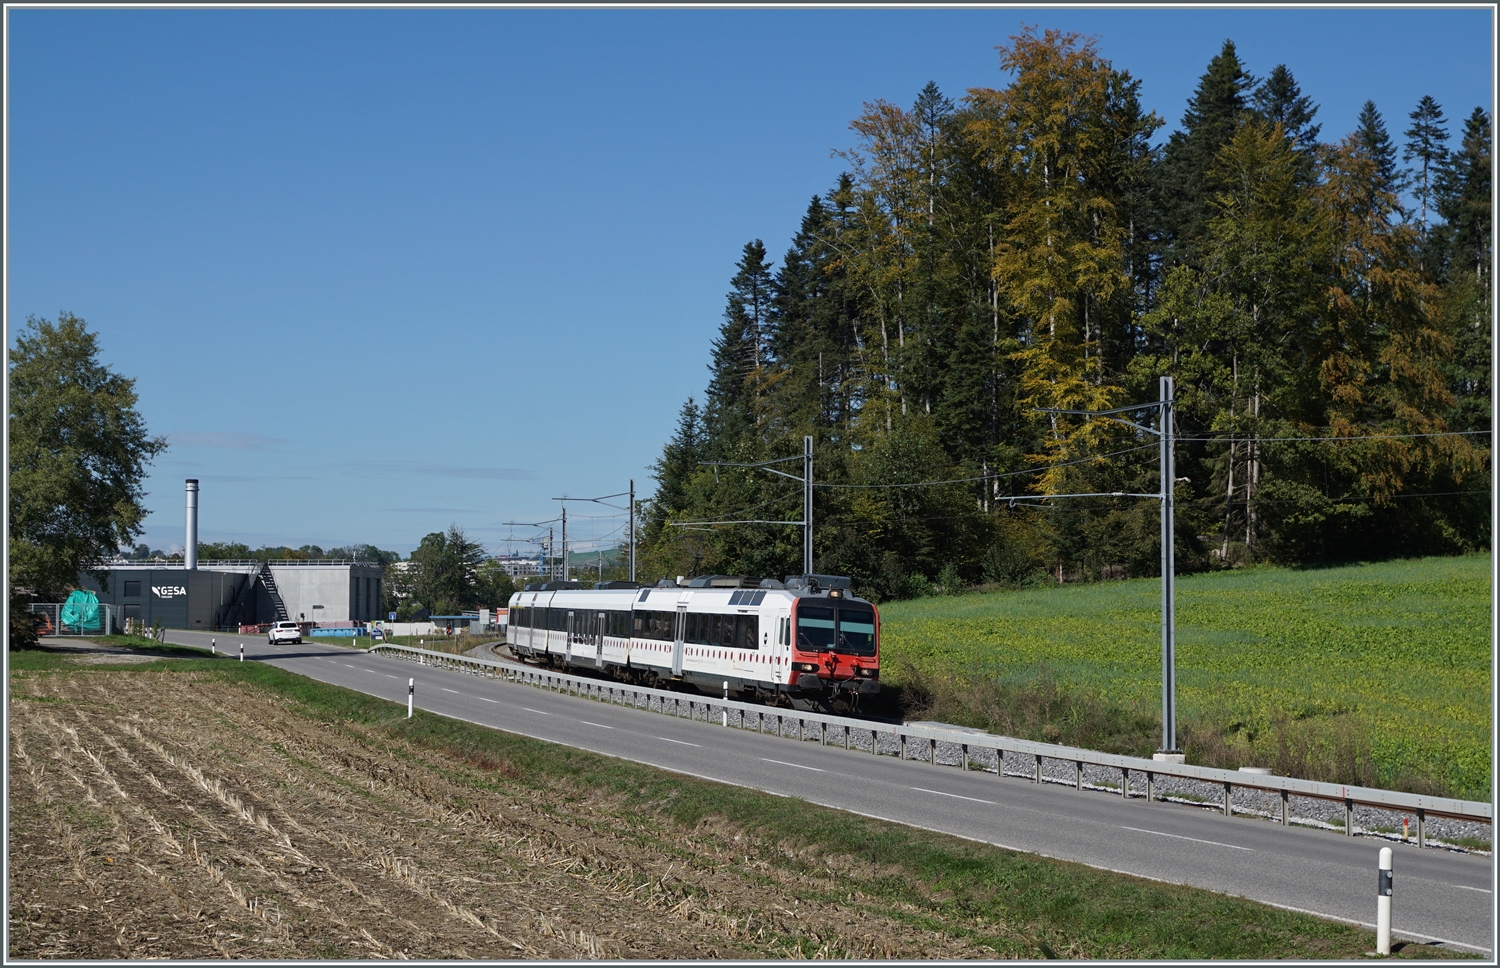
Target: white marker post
x=1383 y=905
x=726 y=699
x=411 y=691
x=242 y=652
x=213 y=645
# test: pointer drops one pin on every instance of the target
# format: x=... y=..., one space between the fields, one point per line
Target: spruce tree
x=1213 y=115
x=1279 y=100
x=739 y=352
x=1371 y=134
x=1426 y=144
x=1463 y=201
x=674 y=469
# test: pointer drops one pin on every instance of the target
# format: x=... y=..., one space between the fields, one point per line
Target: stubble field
x=178 y=815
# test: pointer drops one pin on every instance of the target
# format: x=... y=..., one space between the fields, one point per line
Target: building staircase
x=268 y=580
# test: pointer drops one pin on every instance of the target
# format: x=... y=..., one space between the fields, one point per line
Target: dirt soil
x=177 y=815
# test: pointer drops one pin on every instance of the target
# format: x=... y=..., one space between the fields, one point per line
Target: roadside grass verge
x=1019 y=905
x=1377 y=675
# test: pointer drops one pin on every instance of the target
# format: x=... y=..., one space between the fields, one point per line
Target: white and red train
x=805 y=641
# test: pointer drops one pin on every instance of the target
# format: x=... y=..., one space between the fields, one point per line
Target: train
x=806 y=642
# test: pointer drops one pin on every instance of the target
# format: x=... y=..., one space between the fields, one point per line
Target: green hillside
x=1386 y=664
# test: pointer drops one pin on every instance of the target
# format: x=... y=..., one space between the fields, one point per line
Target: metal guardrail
x=928 y=736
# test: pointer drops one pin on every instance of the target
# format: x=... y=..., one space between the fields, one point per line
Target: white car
x=285 y=632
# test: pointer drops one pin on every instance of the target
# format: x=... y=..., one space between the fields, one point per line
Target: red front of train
x=835 y=646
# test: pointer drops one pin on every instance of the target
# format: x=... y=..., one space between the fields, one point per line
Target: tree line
x=1322 y=304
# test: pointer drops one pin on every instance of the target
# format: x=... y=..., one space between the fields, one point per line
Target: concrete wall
x=346 y=592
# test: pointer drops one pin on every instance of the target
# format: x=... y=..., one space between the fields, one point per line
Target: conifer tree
x=1279 y=100
x=737 y=366
x=1463 y=201
x=1372 y=136
x=1426 y=144
x=1212 y=117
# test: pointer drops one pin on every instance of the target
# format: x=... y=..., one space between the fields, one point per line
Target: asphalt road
x=1440 y=895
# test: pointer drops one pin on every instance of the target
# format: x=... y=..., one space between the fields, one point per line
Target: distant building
x=518 y=567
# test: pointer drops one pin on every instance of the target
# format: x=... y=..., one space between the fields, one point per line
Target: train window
x=856 y=631
x=557 y=619
x=736 y=597
x=815 y=632
x=744 y=631
x=726 y=631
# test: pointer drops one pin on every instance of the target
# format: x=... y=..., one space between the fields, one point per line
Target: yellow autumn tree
x=1054 y=133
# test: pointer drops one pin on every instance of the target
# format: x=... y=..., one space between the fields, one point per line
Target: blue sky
x=380 y=271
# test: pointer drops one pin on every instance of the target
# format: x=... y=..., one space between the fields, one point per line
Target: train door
x=600 y=620
x=754 y=644
x=568 y=641
x=679 y=632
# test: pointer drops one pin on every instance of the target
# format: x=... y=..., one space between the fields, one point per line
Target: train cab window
x=815 y=629
x=856 y=633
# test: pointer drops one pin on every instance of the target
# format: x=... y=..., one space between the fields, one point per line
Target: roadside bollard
x=726 y=708
x=1405 y=829
x=411 y=691
x=242 y=652
x=213 y=646
x=1383 y=904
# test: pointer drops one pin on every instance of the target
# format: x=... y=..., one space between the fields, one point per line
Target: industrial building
x=229 y=594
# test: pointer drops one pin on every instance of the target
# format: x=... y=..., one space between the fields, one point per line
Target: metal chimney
x=190 y=554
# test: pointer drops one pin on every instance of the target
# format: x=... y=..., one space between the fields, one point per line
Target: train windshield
x=849 y=629
x=856 y=631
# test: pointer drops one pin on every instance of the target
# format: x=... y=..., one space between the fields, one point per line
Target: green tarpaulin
x=80 y=613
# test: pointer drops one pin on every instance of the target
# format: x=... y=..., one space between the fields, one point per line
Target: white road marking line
x=1482 y=890
x=679 y=742
x=487 y=699
x=797 y=765
x=1195 y=840
x=600 y=725
x=389 y=676
x=350 y=665
x=537 y=711
x=454 y=691
x=953 y=795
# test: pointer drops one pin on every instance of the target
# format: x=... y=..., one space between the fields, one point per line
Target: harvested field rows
x=176 y=814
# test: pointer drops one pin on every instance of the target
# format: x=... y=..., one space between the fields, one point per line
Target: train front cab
x=835 y=646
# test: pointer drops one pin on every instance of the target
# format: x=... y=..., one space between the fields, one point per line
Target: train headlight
x=805 y=666
x=867 y=673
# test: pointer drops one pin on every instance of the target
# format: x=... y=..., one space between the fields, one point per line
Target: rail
x=902 y=737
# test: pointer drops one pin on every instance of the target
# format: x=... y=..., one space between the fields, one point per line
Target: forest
x=1322 y=304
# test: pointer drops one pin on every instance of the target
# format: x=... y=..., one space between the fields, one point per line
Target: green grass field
x=1390 y=661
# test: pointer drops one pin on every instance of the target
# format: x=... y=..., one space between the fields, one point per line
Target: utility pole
x=1170 y=751
x=604 y=501
x=807 y=508
x=1169 y=747
x=565 y=543
x=632 y=529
